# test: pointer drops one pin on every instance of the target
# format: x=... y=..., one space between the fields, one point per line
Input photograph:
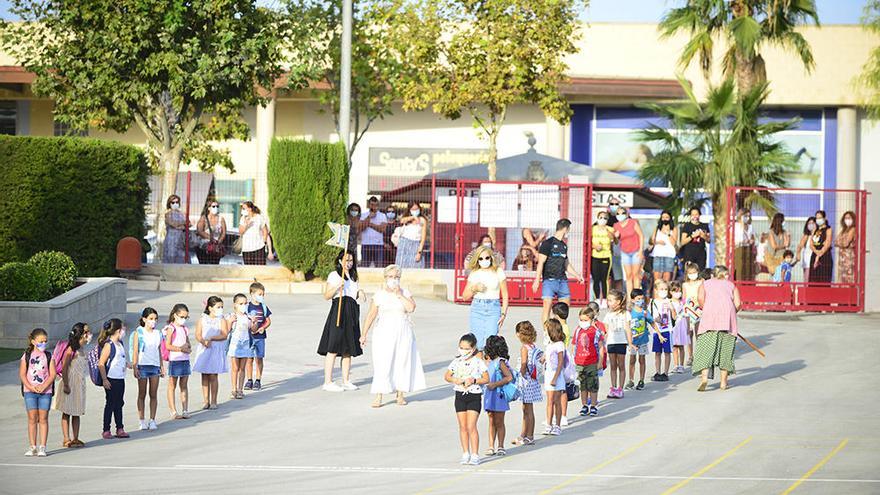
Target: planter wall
x=93 y=302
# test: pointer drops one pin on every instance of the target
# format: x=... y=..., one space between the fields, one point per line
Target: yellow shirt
x=601 y=240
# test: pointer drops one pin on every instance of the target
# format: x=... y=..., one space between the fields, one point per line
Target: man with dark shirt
x=553 y=269
x=694 y=238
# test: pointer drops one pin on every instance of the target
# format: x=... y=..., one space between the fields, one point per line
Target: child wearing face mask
x=146 y=362
x=467 y=373
x=589 y=350
x=530 y=368
x=71 y=402
x=783 y=271
x=664 y=315
x=210 y=356
x=680 y=338
x=37 y=374
x=111 y=366
x=177 y=345
x=262 y=316
x=240 y=343
x=641 y=319
x=690 y=292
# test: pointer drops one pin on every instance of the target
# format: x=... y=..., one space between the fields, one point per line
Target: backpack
x=27 y=362
x=568 y=369
x=139 y=333
x=537 y=371
x=60 y=349
x=164 y=353
x=510 y=391
x=94 y=357
x=582 y=349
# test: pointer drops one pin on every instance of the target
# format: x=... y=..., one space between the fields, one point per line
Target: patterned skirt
x=714 y=349
x=257 y=257
x=406 y=254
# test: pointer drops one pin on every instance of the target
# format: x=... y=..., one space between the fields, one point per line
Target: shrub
x=59 y=269
x=23 y=282
x=308 y=187
x=74 y=195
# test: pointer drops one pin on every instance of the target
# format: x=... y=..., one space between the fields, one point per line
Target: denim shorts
x=37 y=401
x=259 y=348
x=179 y=368
x=147 y=371
x=240 y=349
x=484 y=317
x=663 y=264
x=558 y=288
x=633 y=258
x=642 y=350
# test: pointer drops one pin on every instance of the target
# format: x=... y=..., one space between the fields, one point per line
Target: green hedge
x=23 y=282
x=58 y=267
x=308 y=187
x=75 y=195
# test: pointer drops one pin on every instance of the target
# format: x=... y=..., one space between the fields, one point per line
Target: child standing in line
x=664 y=314
x=260 y=313
x=495 y=351
x=559 y=312
x=241 y=326
x=467 y=373
x=589 y=349
x=111 y=366
x=640 y=338
x=603 y=364
x=554 y=377
x=690 y=291
x=530 y=357
x=176 y=336
x=618 y=338
x=210 y=356
x=680 y=337
x=146 y=361
x=71 y=402
x=37 y=375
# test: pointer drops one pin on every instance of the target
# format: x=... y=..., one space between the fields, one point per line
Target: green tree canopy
x=870 y=77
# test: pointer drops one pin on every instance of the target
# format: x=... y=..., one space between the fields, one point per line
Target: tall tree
x=870 y=77
x=180 y=70
x=711 y=145
x=746 y=26
x=481 y=56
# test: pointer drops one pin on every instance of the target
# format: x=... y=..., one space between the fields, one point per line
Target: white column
x=264 y=135
x=847 y=147
x=555 y=138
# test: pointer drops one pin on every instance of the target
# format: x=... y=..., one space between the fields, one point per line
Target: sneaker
x=152 y=425
x=641 y=385
x=564 y=421
x=584 y=411
x=629 y=385
x=257 y=385
x=332 y=387
x=41 y=451
x=556 y=431
x=106 y=435
x=349 y=386
x=690 y=362
x=465 y=458
x=612 y=393
x=249 y=385
x=142 y=425
x=656 y=377
x=548 y=430
x=594 y=411
x=475 y=460
x=32 y=451
x=120 y=433
x=619 y=394
x=664 y=377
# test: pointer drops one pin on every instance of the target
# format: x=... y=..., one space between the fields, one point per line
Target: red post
x=433 y=217
x=186 y=238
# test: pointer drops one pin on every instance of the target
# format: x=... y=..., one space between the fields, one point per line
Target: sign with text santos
x=391 y=168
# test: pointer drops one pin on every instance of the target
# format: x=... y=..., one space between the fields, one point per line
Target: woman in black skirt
x=342 y=340
x=821 y=264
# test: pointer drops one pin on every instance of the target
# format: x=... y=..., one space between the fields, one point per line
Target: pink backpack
x=163 y=350
x=58 y=355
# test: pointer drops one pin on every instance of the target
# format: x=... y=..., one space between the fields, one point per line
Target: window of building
x=62 y=129
x=8 y=116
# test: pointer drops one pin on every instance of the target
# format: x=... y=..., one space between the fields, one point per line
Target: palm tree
x=747 y=26
x=710 y=146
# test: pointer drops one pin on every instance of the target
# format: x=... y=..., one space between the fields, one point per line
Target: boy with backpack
x=261 y=316
x=589 y=350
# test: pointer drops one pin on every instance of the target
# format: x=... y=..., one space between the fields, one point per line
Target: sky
x=830 y=11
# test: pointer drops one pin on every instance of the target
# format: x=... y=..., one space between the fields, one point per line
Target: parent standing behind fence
x=778 y=241
x=664 y=242
x=254 y=235
x=846 y=249
x=694 y=237
x=744 y=240
x=175 y=232
x=412 y=238
x=373 y=224
x=629 y=234
x=716 y=334
x=821 y=263
x=211 y=231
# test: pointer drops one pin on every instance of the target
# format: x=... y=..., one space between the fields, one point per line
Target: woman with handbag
x=211 y=232
x=254 y=235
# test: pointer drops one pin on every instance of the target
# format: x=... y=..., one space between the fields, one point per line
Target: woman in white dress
x=396 y=362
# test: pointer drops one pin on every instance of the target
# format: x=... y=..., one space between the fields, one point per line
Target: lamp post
x=345 y=76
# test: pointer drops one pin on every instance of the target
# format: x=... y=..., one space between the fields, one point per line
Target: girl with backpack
x=111 y=366
x=211 y=333
x=146 y=361
x=240 y=327
x=71 y=402
x=176 y=352
x=530 y=384
x=494 y=401
x=37 y=377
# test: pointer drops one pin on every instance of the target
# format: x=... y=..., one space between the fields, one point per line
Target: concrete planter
x=93 y=302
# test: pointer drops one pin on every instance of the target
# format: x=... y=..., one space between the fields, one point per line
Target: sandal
x=233 y=395
x=76 y=444
x=528 y=441
x=401 y=401
x=501 y=451
x=376 y=403
x=519 y=441
x=489 y=453
x=702 y=387
x=174 y=415
x=206 y=407
x=67 y=443
x=185 y=415
x=239 y=395
x=213 y=407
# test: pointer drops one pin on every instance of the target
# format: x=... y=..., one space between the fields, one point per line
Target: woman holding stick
x=342 y=331
x=716 y=335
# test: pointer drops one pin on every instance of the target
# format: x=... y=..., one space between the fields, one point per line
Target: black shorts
x=617 y=349
x=468 y=402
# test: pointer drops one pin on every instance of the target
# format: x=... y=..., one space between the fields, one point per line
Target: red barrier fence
x=516 y=211
x=828 y=273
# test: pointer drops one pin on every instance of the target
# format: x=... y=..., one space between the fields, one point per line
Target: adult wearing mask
x=744 y=242
x=211 y=230
x=373 y=224
x=616 y=266
x=694 y=238
x=846 y=249
x=176 y=226
x=412 y=238
x=664 y=242
x=821 y=263
x=254 y=235
x=778 y=241
x=601 y=239
x=553 y=269
x=629 y=234
x=487 y=287
x=485 y=241
x=804 y=253
x=390 y=249
x=354 y=223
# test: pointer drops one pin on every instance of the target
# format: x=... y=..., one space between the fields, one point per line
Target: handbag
x=395 y=236
x=213 y=246
x=236 y=246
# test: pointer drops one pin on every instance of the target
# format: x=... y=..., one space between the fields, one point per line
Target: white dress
x=396 y=362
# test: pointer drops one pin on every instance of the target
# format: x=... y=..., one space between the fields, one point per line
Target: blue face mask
x=41 y=346
x=639 y=304
x=258 y=298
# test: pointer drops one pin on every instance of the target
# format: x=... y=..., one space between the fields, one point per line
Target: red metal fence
x=516 y=210
x=827 y=276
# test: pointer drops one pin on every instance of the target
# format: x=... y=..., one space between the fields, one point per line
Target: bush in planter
x=58 y=267
x=23 y=282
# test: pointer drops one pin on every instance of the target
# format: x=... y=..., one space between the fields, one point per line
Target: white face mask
x=415 y=213
x=259 y=299
x=390 y=215
x=820 y=221
x=241 y=308
x=584 y=324
x=464 y=352
x=244 y=213
x=848 y=222
x=175 y=206
x=179 y=320
x=485 y=263
x=676 y=295
x=693 y=276
x=214 y=210
x=392 y=283
x=602 y=221
x=488 y=245
x=662 y=294
x=621 y=217
x=811 y=227
x=89 y=339
x=217 y=311
x=150 y=323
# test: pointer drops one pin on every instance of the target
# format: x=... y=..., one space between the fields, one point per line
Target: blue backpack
x=510 y=390
x=136 y=338
x=94 y=357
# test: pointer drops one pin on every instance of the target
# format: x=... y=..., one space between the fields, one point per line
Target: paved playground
x=804 y=420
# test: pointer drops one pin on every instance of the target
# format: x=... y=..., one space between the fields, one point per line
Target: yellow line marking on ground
x=600 y=466
x=707 y=468
x=815 y=468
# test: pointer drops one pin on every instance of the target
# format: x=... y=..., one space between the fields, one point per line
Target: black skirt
x=343 y=340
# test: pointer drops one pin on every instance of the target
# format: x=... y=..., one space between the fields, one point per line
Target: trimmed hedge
x=58 y=267
x=75 y=195
x=308 y=187
x=23 y=282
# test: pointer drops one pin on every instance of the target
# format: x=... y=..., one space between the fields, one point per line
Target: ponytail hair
x=210 y=304
x=32 y=336
x=111 y=326
x=75 y=335
x=142 y=321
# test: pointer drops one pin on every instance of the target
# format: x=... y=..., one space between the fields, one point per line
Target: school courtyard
x=803 y=420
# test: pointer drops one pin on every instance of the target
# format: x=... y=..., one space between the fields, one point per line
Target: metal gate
x=511 y=208
x=836 y=285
